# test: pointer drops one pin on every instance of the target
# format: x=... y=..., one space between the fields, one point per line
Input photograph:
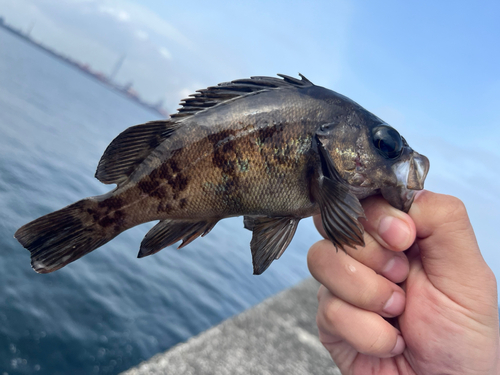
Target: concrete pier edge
x=277 y=336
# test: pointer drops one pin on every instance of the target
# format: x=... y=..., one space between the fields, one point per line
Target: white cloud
x=141 y=34
x=145 y=18
x=119 y=14
x=165 y=53
x=185 y=92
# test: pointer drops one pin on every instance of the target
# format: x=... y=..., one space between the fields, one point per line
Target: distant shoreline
x=128 y=92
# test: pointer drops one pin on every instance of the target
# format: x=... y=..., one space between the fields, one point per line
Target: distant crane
x=30 y=29
x=117 y=67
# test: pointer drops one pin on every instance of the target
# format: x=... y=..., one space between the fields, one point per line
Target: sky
x=428 y=68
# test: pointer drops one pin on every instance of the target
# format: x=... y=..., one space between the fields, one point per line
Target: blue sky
x=436 y=61
x=429 y=68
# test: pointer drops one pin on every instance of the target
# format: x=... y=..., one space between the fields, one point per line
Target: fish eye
x=387 y=141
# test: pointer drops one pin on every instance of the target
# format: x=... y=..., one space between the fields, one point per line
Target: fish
x=273 y=150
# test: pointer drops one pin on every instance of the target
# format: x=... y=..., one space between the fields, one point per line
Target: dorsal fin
x=214 y=95
x=130 y=148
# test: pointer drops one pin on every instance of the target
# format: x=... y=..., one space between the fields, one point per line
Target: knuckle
x=313 y=254
x=330 y=312
x=379 y=342
x=369 y=295
x=316 y=255
x=490 y=278
x=452 y=209
x=320 y=293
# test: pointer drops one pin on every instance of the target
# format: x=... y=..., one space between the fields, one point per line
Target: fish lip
x=418 y=169
x=399 y=197
x=410 y=175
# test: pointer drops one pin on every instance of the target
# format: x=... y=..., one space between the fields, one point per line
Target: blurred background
x=75 y=73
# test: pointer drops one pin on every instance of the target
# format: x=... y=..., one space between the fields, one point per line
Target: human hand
x=442 y=319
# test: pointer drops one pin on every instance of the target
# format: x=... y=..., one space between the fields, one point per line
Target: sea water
x=109 y=310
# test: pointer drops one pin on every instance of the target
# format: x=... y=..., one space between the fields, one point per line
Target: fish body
x=272 y=150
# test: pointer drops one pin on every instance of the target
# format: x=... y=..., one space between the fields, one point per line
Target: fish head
x=373 y=158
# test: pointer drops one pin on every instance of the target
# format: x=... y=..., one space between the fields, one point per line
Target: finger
x=449 y=250
x=392 y=228
x=393 y=266
x=354 y=282
x=442 y=221
x=319 y=226
x=368 y=333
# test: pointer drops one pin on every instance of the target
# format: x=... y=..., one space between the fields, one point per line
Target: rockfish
x=274 y=150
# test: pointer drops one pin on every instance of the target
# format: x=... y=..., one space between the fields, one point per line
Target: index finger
x=387 y=231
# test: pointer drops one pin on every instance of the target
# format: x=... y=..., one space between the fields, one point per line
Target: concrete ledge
x=278 y=336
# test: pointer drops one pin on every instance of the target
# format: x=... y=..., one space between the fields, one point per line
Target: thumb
x=449 y=251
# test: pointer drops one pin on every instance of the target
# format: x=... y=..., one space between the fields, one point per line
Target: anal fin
x=168 y=232
x=271 y=236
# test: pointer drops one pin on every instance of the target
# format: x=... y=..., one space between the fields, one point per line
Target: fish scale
x=274 y=150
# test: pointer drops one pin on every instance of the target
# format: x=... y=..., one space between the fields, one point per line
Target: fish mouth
x=410 y=175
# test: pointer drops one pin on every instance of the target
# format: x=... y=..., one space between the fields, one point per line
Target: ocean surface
x=109 y=310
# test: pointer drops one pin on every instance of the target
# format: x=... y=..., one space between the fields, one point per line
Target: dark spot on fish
x=106 y=221
x=179 y=183
x=224 y=161
x=161 y=172
x=155 y=174
x=228 y=146
x=170 y=172
x=93 y=213
x=117 y=218
x=164 y=207
x=112 y=203
x=219 y=137
x=160 y=192
x=269 y=133
x=173 y=166
x=148 y=186
x=183 y=203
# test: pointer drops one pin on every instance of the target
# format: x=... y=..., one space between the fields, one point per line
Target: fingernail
x=395 y=232
x=396 y=269
x=399 y=347
x=395 y=305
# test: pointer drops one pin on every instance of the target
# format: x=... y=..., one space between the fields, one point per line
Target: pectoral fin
x=340 y=208
x=168 y=232
x=271 y=236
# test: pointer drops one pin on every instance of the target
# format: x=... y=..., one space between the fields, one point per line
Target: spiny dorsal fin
x=214 y=95
x=130 y=148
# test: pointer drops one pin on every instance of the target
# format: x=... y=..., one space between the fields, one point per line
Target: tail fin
x=63 y=236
